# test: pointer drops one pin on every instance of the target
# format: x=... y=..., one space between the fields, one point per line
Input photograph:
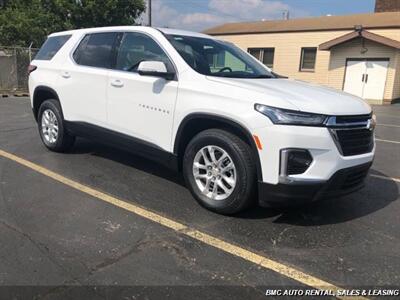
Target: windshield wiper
x=240 y=76
x=263 y=76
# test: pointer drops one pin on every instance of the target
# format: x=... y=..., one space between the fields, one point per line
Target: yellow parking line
x=387 y=141
x=386 y=178
x=198 y=235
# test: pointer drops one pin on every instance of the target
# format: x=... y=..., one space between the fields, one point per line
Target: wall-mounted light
x=358 y=28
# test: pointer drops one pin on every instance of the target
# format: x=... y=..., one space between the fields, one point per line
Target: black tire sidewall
x=54 y=106
x=238 y=200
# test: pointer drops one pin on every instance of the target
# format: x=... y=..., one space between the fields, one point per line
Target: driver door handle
x=117 y=83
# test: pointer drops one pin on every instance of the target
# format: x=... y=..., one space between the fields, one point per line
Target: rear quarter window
x=51 y=47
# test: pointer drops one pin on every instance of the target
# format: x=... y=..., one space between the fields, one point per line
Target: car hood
x=304 y=96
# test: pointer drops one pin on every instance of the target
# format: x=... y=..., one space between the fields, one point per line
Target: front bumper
x=327 y=160
x=343 y=182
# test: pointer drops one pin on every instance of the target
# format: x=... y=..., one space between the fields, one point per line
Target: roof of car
x=372 y=20
x=183 y=32
x=129 y=28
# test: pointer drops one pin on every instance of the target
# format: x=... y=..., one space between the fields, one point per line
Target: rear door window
x=51 y=47
x=96 y=50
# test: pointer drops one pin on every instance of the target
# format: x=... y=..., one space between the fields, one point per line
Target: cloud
x=201 y=21
x=219 y=12
x=166 y=16
x=249 y=9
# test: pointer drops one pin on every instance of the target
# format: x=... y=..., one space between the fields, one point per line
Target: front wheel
x=219 y=171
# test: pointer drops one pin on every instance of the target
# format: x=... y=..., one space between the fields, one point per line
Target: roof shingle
x=373 y=20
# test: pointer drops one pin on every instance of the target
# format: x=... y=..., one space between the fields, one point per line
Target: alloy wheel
x=214 y=172
x=49 y=126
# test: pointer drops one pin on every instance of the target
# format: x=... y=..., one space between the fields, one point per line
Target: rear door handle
x=66 y=75
x=117 y=83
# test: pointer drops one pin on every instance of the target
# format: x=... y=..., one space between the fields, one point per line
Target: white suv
x=238 y=131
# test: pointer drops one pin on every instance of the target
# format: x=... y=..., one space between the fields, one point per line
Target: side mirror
x=156 y=69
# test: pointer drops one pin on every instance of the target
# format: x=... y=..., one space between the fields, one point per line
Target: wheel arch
x=41 y=94
x=194 y=123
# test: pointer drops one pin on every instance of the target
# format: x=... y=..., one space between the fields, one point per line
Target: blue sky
x=201 y=14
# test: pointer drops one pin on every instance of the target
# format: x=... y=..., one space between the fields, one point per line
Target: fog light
x=294 y=161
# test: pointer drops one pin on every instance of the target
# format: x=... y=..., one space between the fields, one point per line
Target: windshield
x=217 y=58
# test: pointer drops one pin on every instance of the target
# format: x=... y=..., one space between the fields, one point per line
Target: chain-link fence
x=14 y=62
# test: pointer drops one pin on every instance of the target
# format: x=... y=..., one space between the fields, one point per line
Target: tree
x=23 y=22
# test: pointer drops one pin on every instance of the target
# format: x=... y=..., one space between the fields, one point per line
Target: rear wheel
x=51 y=127
x=219 y=171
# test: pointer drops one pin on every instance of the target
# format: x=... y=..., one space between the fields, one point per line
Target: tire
x=239 y=181
x=62 y=141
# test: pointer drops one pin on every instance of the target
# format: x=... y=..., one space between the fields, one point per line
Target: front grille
x=353 y=135
x=355 y=141
x=348 y=179
x=355 y=178
x=352 y=119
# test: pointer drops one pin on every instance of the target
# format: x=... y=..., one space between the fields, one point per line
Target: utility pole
x=149 y=9
x=286 y=14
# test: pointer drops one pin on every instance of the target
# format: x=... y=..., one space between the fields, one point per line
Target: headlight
x=373 y=121
x=290 y=117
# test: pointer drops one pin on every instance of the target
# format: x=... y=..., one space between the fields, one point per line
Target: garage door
x=366 y=78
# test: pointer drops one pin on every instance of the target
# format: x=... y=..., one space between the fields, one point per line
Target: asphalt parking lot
x=64 y=239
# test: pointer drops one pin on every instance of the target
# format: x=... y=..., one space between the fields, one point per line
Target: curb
x=7 y=95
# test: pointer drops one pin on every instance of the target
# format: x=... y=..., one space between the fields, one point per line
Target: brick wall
x=387 y=5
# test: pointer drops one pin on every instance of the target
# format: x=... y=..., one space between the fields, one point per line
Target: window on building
x=308 y=58
x=216 y=61
x=255 y=52
x=265 y=55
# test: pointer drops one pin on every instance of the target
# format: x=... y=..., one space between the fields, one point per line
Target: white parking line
x=387 y=141
x=387 y=115
x=386 y=178
x=388 y=125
